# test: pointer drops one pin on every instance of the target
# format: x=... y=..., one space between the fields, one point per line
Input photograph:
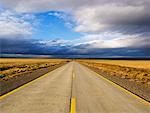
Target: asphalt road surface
x=53 y=93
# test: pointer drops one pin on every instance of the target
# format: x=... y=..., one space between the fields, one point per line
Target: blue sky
x=102 y=28
x=53 y=27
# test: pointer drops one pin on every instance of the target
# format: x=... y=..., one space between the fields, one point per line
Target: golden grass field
x=28 y=60
x=128 y=63
x=12 y=66
x=138 y=71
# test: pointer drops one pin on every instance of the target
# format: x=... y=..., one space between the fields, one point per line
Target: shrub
x=2 y=75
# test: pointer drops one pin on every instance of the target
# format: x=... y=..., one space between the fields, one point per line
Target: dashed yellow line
x=73 y=105
x=121 y=88
x=73 y=100
x=23 y=86
x=73 y=75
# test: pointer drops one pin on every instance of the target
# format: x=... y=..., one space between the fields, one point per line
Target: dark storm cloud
x=19 y=46
x=28 y=46
x=112 y=52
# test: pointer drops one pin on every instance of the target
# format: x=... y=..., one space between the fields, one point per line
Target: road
x=52 y=94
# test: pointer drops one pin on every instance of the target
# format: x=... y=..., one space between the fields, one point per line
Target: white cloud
x=13 y=25
x=115 y=40
x=55 y=42
x=33 y=5
x=100 y=41
x=111 y=22
x=98 y=18
x=91 y=15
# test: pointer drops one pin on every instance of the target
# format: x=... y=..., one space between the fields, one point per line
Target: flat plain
x=138 y=70
x=11 y=67
x=128 y=63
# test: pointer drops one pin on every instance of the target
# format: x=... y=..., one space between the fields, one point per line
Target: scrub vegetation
x=11 y=67
x=133 y=70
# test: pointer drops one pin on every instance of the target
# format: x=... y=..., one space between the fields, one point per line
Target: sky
x=78 y=28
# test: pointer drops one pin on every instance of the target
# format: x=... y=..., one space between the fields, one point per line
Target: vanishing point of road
x=72 y=88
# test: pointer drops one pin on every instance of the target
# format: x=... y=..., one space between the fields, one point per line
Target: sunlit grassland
x=136 y=70
x=128 y=63
x=12 y=66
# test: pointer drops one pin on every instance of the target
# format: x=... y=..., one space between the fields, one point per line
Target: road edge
x=118 y=85
x=29 y=82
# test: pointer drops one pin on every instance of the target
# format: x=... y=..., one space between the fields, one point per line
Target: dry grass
x=10 y=67
x=29 y=60
x=128 y=63
x=138 y=71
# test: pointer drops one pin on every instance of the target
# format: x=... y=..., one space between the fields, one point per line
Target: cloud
x=21 y=46
x=128 y=17
x=115 y=40
x=14 y=25
x=33 y=5
x=30 y=46
x=55 y=42
x=95 y=15
x=110 y=27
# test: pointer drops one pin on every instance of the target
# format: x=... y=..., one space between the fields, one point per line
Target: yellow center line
x=73 y=75
x=73 y=99
x=73 y=105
